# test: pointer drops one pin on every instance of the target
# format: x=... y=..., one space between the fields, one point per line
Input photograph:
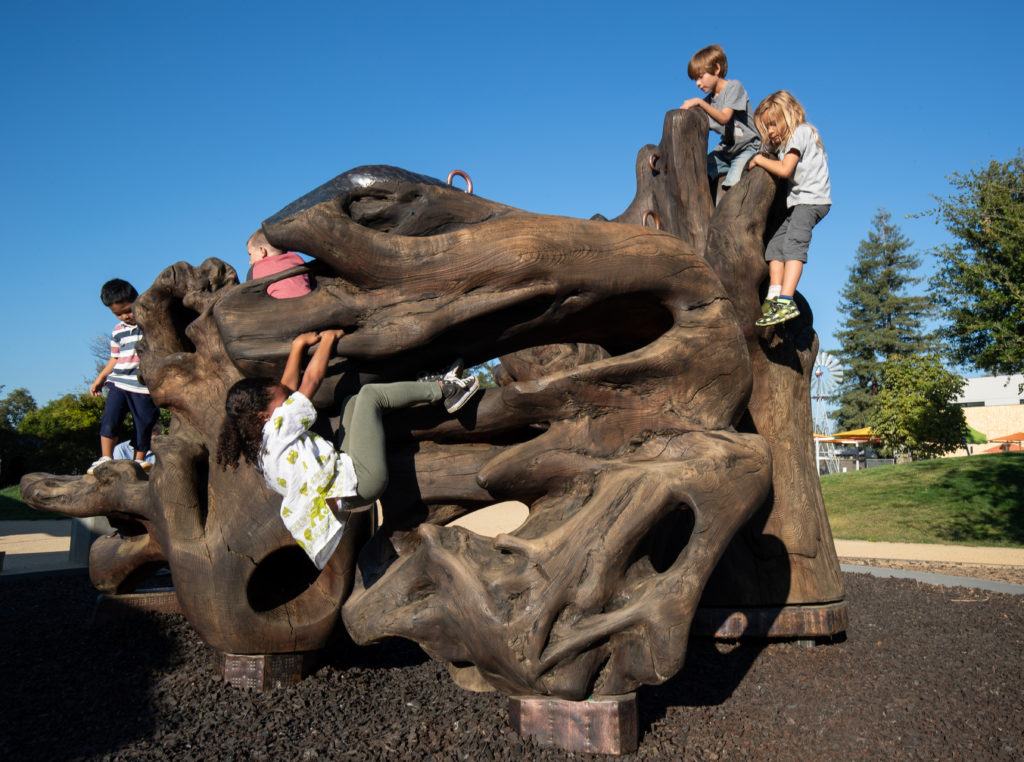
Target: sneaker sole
x=766 y=323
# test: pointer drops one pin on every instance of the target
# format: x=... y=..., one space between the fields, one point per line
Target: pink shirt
x=289 y=288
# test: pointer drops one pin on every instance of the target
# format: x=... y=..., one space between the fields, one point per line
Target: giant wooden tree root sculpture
x=639 y=416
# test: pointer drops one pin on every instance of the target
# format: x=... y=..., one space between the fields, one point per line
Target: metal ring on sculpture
x=464 y=176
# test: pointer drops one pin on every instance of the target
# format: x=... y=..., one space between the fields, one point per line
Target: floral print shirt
x=307 y=471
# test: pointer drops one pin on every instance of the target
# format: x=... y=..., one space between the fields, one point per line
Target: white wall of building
x=992 y=390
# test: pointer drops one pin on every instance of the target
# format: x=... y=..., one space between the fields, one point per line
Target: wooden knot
x=464 y=176
x=652 y=162
x=652 y=215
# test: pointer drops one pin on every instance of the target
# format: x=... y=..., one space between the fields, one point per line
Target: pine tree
x=980 y=282
x=881 y=319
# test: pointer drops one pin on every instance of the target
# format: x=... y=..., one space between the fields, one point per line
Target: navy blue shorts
x=144 y=413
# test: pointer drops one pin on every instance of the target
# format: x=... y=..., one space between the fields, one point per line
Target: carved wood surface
x=639 y=416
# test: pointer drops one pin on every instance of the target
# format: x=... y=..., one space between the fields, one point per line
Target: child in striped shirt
x=120 y=376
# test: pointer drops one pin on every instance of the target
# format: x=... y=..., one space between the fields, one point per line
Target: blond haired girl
x=799 y=156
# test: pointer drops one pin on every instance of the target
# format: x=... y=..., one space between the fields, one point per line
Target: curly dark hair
x=241 y=436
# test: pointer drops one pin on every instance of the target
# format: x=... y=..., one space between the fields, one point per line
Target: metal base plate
x=599 y=725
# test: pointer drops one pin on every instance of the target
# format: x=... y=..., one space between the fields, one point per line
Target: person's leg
x=737 y=166
x=364 y=440
x=791 y=277
x=773 y=253
x=114 y=408
x=716 y=170
x=145 y=415
x=798 y=239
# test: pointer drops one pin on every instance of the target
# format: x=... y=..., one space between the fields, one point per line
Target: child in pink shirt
x=267 y=259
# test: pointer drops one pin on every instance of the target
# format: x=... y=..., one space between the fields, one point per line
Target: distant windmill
x=825 y=379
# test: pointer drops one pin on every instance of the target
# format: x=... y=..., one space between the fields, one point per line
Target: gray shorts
x=793 y=237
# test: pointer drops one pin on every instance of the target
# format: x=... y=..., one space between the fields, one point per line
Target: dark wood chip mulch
x=925 y=673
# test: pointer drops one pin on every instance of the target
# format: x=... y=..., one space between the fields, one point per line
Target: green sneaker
x=767 y=305
x=782 y=311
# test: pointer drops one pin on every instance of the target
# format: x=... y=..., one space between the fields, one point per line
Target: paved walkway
x=906 y=551
x=32 y=546
x=44 y=545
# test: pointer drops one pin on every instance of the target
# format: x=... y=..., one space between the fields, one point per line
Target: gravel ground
x=1012 y=574
x=926 y=672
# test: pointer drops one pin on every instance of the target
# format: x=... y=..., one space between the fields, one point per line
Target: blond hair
x=259 y=240
x=705 y=60
x=784 y=108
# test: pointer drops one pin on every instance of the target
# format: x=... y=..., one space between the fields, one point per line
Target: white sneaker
x=98 y=463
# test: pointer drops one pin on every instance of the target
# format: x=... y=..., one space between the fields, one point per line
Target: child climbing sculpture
x=728 y=108
x=801 y=157
x=266 y=259
x=120 y=377
x=268 y=424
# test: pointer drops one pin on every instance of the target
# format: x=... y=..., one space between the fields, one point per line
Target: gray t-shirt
x=739 y=132
x=810 y=183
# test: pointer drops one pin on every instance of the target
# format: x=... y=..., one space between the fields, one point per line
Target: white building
x=993 y=405
x=988 y=391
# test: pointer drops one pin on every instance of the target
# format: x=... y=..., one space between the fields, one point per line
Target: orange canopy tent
x=1005 y=447
x=1010 y=443
x=1017 y=437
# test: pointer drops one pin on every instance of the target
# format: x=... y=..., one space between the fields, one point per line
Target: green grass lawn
x=13 y=509
x=966 y=501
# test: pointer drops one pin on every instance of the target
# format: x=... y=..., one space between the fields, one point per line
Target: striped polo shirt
x=123 y=340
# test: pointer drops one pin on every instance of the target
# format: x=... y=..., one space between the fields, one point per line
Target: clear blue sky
x=139 y=134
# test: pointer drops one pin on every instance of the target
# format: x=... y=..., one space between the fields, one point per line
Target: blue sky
x=137 y=134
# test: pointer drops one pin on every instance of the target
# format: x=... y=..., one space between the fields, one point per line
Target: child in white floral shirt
x=268 y=425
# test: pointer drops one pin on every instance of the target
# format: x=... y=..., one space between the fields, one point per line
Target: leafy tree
x=484 y=373
x=881 y=319
x=13 y=408
x=915 y=411
x=979 y=285
x=65 y=433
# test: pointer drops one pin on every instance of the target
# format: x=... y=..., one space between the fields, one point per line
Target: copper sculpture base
x=266 y=671
x=600 y=725
x=818 y=622
x=157 y=600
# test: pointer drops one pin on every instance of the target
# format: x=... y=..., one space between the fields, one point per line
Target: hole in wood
x=281 y=577
x=661 y=546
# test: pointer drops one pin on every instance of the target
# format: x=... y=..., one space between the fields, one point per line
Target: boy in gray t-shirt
x=728 y=108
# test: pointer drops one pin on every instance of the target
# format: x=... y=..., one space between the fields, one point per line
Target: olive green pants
x=362 y=419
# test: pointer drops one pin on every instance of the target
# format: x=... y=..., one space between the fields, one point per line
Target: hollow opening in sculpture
x=664 y=542
x=280 y=578
x=181 y=318
x=618 y=325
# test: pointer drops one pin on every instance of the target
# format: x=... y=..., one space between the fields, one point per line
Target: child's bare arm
x=720 y=115
x=782 y=168
x=317 y=368
x=101 y=377
x=290 y=377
